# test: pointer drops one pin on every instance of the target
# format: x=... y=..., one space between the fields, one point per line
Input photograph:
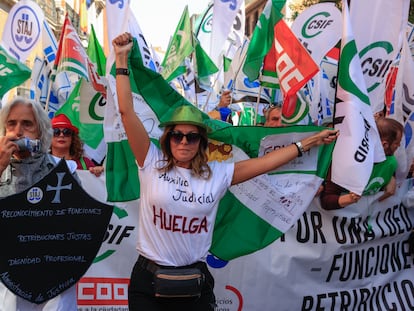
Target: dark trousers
x=141 y=294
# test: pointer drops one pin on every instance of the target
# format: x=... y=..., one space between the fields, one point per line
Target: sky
x=159 y=18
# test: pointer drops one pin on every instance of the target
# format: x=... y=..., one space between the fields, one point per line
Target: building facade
x=253 y=10
x=54 y=12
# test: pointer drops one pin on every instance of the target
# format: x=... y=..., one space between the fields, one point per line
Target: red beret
x=62 y=121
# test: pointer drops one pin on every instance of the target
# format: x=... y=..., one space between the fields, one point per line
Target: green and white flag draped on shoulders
x=252 y=214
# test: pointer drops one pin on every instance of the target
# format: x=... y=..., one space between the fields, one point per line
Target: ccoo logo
x=26 y=28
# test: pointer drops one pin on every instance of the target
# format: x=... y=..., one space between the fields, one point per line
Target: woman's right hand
x=122 y=45
x=348 y=199
x=132 y=124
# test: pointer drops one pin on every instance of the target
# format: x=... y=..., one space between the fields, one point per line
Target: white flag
x=117 y=13
x=358 y=145
x=378 y=40
x=318 y=28
x=403 y=107
x=113 y=128
x=23 y=29
x=224 y=14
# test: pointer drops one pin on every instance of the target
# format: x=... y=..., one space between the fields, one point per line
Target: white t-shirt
x=177 y=210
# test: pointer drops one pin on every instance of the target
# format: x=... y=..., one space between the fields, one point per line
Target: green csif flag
x=205 y=66
x=12 y=72
x=96 y=53
x=252 y=214
x=179 y=48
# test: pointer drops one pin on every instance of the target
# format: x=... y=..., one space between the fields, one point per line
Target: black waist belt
x=151 y=266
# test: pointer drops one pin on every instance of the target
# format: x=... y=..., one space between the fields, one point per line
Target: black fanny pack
x=178 y=282
x=170 y=282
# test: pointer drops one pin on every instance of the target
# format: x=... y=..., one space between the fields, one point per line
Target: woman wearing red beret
x=67 y=144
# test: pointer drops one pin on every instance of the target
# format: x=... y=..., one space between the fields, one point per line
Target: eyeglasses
x=66 y=132
x=177 y=137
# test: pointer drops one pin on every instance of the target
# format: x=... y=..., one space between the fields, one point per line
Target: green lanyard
x=82 y=161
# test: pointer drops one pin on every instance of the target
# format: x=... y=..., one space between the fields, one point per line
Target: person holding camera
x=25 y=137
x=23 y=125
x=179 y=197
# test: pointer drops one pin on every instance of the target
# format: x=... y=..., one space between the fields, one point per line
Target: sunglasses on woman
x=177 y=137
x=66 y=132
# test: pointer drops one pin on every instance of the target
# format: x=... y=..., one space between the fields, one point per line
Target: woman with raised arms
x=179 y=196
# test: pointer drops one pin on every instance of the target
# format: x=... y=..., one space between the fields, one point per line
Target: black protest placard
x=49 y=236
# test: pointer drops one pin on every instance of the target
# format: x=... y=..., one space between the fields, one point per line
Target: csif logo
x=376 y=60
x=207 y=24
x=26 y=28
x=348 y=58
x=114 y=235
x=97 y=107
x=315 y=24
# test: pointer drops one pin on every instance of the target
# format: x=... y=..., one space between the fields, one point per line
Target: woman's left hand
x=327 y=136
x=96 y=170
x=322 y=138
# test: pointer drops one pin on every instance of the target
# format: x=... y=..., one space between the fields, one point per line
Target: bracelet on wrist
x=122 y=71
x=299 y=146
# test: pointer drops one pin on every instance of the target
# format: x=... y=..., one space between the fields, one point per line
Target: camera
x=27 y=144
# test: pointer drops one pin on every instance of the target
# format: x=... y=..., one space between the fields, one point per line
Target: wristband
x=299 y=146
x=122 y=71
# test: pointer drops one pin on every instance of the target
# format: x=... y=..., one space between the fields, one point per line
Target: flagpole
x=241 y=65
x=212 y=88
x=257 y=101
x=204 y=16
x=336 y=100
x=216 y=79
x=194 y=59
x=196 y=34
x=49 y=90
